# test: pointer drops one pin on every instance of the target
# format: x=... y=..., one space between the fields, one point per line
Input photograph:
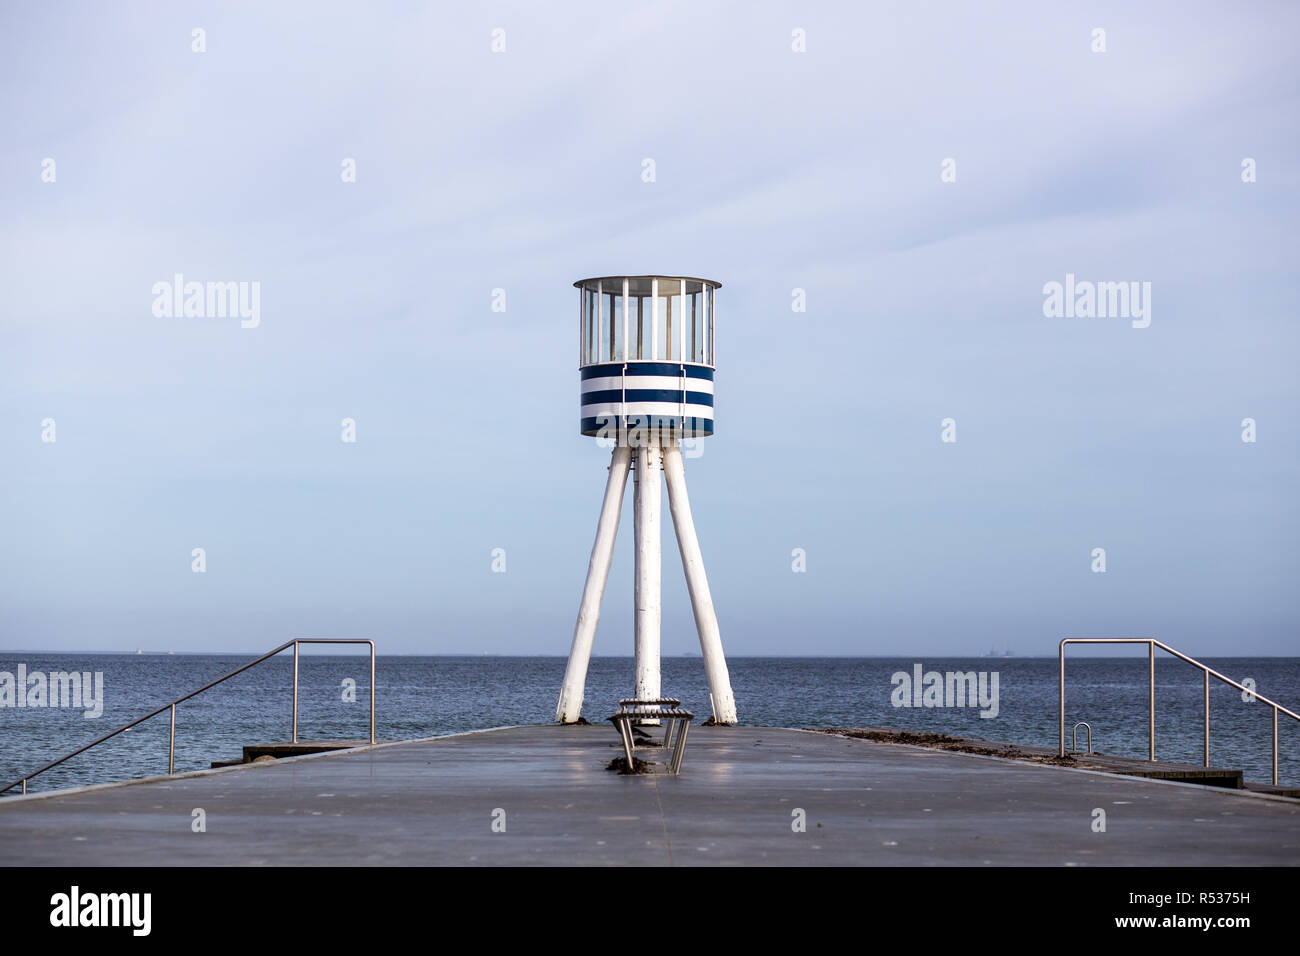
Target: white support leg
x=646 y=651
x=569 y=709
x=706 y=621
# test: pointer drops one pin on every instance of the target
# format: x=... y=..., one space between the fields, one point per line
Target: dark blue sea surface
x=427 y=696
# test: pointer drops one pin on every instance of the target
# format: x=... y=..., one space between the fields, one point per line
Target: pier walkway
x=542 y=795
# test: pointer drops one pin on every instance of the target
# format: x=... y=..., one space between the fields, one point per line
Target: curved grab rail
x=1074 y=737
x=171 y=748
x=1209 y=672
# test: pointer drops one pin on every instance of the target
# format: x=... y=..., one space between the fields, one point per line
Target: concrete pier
x=542 y=795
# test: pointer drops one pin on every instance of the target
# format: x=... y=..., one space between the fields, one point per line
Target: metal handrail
x=1209 y=672
x=171 y=748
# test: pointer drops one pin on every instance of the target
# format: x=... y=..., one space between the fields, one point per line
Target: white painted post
x=654 y=319
x=713 y=324
x=681 y=324
x=569 y=708
x=645 y=664
x=627 y=325
x=706 y=620
x=704 y=324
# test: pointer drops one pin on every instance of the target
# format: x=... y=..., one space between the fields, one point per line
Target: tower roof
x=640 y=284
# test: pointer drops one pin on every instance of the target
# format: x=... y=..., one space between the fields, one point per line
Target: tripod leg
x=646 y=649
x=569 y=708
x=706 y=620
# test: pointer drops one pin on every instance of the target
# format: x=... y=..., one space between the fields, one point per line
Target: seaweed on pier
x=619 y=765
x=946 y=742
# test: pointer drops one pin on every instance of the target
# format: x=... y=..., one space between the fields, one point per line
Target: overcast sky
x=774 y=170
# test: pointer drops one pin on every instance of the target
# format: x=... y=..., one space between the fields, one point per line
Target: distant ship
x=993 y=653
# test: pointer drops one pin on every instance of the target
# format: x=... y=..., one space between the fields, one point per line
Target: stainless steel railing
x=1208 y=672
x=171 y=746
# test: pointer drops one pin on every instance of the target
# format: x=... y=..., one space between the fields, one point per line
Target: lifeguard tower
x=645 y=359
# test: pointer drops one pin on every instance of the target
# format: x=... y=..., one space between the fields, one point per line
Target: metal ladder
x=171 y=748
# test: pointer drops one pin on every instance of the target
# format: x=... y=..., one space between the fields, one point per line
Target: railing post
x=293 y=737
x=171 y=745
x=372 y=692
x=1207 y=719
x=1151 y=665
x=1061 y=653
x=1275 y=745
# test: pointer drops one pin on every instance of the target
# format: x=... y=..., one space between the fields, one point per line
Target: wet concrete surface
x=445 y=800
